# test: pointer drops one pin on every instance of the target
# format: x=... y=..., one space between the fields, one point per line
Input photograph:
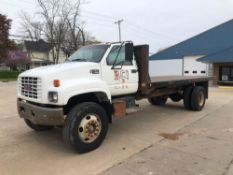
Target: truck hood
x=64 y=70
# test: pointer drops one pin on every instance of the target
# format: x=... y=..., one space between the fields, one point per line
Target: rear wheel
x=37 y=127
x=198 y=98
x=187 y=97
x=85 y=127
x=159 y=101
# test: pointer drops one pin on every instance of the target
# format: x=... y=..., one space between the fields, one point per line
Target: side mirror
x=129 y=52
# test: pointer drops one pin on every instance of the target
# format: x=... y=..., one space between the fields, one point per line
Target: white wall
x=62 y=56
x=166 y=67
x=4 y=67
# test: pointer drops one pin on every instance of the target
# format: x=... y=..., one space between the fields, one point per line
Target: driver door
x=120 y=75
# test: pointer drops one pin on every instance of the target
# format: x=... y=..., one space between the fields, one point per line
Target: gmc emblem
x=27 y=87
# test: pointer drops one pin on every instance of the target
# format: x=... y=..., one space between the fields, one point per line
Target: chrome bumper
x=40 y=115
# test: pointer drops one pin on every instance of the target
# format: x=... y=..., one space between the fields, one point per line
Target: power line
x=14 y=5
x=138 y=33
x=149 y=31
x=141 y=35
x=113 y=18
x=129 y=29
x=10 y=4
x=109 y=19
x=97 y=18
x=101 y=24
x=99 y=14
x=27 y=2
x=107 y=22
x=132 y=24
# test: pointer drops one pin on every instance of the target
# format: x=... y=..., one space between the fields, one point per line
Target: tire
x=85 y=127
x=158 y=101
x=187 y=98
x=176 y=97
x=37 y=127
x=198 y=98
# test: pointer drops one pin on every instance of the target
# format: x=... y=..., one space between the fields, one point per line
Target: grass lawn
x=8 y=75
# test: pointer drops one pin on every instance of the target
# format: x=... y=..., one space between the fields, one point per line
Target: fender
x=80 y=86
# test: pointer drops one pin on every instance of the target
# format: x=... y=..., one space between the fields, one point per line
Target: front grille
x=30 y=87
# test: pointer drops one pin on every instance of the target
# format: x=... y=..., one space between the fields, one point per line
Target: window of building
x=226 y=73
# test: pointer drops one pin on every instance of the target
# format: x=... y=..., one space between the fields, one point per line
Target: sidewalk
x=204 y=147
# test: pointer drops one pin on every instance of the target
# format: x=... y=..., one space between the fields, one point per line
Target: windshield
x=89 y=53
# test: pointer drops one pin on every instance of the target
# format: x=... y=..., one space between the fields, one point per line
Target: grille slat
x=30 y=87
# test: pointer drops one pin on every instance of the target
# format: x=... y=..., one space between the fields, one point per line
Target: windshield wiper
x=80 y=59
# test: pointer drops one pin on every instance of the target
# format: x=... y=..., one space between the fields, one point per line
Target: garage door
x=194 y=68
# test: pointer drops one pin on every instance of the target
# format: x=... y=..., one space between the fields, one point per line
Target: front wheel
x=85 y=127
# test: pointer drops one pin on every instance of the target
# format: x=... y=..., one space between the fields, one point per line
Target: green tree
x=5 y=43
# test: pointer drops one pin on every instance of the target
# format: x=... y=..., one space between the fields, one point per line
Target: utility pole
x=119 y=27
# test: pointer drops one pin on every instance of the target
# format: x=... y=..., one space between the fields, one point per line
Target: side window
x=113 y=54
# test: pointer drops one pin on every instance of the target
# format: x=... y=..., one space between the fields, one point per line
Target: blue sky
x=158 y=23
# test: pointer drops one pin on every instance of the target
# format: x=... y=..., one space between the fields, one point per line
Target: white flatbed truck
x=96 y=83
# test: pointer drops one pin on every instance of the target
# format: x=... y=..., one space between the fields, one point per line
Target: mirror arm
x=122 y=63
x=113 y=66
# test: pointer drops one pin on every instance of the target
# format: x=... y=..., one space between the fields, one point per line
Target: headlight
x=53 y=97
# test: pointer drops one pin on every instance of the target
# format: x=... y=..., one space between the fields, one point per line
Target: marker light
x=56 y=83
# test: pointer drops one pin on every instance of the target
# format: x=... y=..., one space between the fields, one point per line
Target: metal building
x=209 y=53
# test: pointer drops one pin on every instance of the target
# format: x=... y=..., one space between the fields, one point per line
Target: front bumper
x=40 y=115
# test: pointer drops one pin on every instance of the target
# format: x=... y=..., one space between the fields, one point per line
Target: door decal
x=121 y=75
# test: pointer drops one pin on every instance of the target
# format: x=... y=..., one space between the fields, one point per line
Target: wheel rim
x=201 y=99
x=89 y=128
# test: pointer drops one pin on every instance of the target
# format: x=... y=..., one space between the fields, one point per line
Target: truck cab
x=96 y=83
x=103 y=67
x=115 y=69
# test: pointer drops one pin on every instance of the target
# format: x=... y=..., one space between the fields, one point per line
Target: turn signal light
x=56 y=83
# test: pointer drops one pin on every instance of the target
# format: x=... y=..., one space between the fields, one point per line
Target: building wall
x=187 y=66
x=211 y=73
x=166 y=67
x=216 y=74
x=47 y=56
x=39 y=55
x=62 y=56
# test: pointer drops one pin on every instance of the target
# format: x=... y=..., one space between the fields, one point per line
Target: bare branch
x=60 y=25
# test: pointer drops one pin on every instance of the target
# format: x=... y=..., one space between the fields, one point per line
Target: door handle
x=133 y=71
x=94 y=71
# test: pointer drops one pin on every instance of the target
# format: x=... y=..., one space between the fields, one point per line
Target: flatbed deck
x=161 y=81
